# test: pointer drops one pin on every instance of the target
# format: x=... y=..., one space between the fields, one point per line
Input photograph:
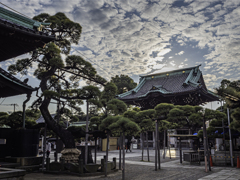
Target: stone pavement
x=136 y=169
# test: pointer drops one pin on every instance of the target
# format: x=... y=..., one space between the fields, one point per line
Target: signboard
x=134 y=146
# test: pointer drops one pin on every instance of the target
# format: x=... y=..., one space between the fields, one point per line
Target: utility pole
x=205 y=143
x=224 y=141
x=14 y=106
x=86 y=137
x=230 y=138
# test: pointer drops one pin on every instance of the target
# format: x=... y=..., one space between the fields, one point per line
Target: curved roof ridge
x=182 y=69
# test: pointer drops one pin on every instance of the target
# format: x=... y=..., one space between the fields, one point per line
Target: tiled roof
x=13 y=79
x=20 y=20
x=165 y=84
x=20 y=35
x=11 y=86
x=168 y=83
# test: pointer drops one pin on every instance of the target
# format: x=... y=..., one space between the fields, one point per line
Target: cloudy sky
x=135 y=37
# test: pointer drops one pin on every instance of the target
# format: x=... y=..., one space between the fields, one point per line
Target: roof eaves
x=159 y=91
x=214 y=94
x=20 y=20
x=9 y=79
x=135 y=90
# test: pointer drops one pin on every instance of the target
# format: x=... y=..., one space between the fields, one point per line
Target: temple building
x=19 y=35
x=179 y=87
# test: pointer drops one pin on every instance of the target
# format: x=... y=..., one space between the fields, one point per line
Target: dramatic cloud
x=139 y=37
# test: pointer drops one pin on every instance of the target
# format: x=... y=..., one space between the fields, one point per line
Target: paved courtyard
x=171 y=169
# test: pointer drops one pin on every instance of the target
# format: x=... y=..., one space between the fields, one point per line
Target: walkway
x=136 y=169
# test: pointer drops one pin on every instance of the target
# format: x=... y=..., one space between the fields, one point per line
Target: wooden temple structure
x=19 y=35
x=179 y=87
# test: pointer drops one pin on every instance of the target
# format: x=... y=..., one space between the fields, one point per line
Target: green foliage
x=108 y=121
x=236 y=119
x=131 y=114
x=144 y=119
x=109 y=93
x=3 y=118
x=82 y=69
x=50 y=94
x=124 y=83
x=21 y=66
x=70 y=30
x=146 y=114
x=15 y=120
x=165 y=124
x=124 y=124
x=95 y=121
x=230 y=91
x=137 y=109
x=163 y=113
x=176 y=115
x=163 y=109
x=77 y=131
x=116 y=106
x=146 y=125
x=200 y=133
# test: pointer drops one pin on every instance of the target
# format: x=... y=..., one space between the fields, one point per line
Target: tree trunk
x=147 y=146
x=120 y=153
x=106 y=154
x=158 y=145
x=164 y=142
x=169 y=146
x=86 y=138
x=64 y=134
x=123 y=166
x=44 y=147
x=142 y=144
x=95 y=155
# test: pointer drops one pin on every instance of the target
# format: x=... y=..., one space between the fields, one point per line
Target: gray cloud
x=121 y=36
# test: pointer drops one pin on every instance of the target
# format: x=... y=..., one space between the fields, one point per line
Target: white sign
x=134 y=146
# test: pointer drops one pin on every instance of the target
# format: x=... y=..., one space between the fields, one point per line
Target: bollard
x=238 y=162
x=47 y=163
x=62 y=161
x=102 y=165
x=114 y=163
x=211 y=164
x=81 y=166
